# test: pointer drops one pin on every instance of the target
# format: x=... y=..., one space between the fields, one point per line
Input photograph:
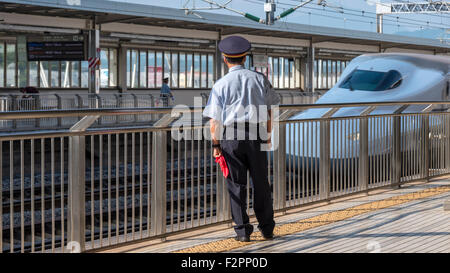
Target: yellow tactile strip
x=317 y=221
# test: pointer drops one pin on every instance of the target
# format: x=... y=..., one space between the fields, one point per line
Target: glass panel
x=33 y=76
x=43 y=74
x=112 y=67
x=247 y=62
x=297 y=73
x=196 y=71
x=159 y=69
x=190 y=70
x=275 y=72
x=291 y=74
x=151 y=69
x=204 y=72
x=319 y=73
x=2 y=64
x=10 y=65
x=286 y=73
x=22 y=73
x=54 y=67
x=270 y=70
x=330 y=74
x=84 y=74
x=167 y=66
x=316 y=73
x=175 y=70
x=338 y=70
x=182 y=70
x=143 y=69
x=281 y=72
x=134 y=69
x=210 y=71
x=75 y=74
x=104 y=73
x=65 y=74
x=128 y=68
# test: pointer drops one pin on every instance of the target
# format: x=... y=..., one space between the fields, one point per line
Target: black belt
x=246 y=126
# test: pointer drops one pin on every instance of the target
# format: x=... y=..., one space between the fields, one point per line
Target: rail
x=85 y=188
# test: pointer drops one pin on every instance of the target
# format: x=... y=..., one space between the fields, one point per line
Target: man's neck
x=233 y=65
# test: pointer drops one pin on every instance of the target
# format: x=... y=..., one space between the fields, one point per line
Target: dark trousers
x=243 y=155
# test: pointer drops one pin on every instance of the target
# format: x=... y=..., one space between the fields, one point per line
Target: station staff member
x=166 y=93
x=235 y=91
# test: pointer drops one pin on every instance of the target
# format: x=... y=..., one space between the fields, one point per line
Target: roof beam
x=108 y=19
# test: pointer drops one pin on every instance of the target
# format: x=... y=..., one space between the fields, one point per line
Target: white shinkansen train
x=371 y=78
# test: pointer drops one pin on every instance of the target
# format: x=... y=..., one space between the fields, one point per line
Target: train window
x=372 y=80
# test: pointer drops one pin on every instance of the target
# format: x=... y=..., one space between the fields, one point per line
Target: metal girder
x=429 y=7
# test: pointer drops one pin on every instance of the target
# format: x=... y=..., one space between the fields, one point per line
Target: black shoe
x=242 y=238
x=267 y=235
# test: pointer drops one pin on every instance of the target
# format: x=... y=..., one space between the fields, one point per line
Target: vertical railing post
x=37 y=103
x=279 y=176
x=59 y=107
x=14 y=107
x=117 y=106
x=363 y=174
x=425 y=170
x=324 y=160
x=99 y=105
x=158 y=187
x=135 y=105
x=76 y=203
x=152 y=105
x=396 y=160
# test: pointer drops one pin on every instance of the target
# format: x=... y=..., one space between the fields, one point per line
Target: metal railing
x=33 y=102
x=86 y=188
x=289 y=97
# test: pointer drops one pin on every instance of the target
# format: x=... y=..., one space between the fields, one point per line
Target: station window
x=283 y=72
x=53 y=74
x=184 y=69
x=327 y=72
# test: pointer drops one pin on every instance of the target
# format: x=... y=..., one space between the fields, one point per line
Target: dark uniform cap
x=234 y=46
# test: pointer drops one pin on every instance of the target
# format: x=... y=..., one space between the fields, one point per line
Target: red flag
x=223 y=165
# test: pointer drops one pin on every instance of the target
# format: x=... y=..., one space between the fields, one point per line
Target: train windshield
x=372 y=80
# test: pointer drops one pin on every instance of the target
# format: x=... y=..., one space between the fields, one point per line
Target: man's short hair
x=238 y=60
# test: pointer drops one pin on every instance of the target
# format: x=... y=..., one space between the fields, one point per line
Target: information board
x=57 y=48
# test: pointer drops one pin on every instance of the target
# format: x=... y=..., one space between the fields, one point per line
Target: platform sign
x=57 y=48
x=260 y=60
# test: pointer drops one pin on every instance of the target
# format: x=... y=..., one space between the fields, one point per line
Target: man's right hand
x=217 y=152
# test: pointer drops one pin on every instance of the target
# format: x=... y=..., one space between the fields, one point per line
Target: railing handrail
x=30 y=114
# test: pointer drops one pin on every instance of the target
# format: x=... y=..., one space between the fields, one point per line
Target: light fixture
x=22 y=28
x=158 y=38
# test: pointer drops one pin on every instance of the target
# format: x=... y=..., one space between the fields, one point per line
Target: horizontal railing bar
x=362 y=116
x=12 y=115
x=26 y=135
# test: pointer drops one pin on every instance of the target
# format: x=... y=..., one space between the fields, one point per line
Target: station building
x=142 y=44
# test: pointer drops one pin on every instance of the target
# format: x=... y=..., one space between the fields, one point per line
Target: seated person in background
x=166 y=92
x=29 y=100
x=28 y=90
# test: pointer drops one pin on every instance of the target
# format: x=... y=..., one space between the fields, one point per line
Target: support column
x=310 y=77
x=122 y=65
x=218 y=58
x=94 y=46
x=303 y=73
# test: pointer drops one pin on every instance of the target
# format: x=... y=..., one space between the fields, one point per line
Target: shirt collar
x=236 y=67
